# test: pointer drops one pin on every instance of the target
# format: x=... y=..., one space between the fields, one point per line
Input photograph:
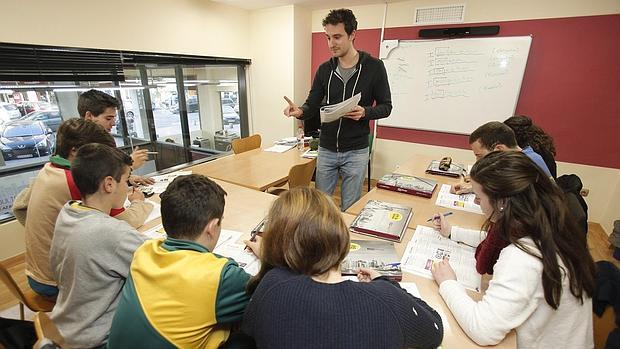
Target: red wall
x=571 y=86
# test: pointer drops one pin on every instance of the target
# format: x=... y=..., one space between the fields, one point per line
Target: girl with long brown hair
x=543 y=280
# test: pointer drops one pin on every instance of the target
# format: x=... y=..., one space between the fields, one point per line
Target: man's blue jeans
x=350 y=165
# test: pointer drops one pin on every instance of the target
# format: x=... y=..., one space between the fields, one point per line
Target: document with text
x=428 y=246
x=331 y=113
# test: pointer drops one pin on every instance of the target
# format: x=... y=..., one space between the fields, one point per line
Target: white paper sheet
x=463 y=202
x=411 y=287
x=228 y=246
x=162 y=181
x=157 y=232
x=330 y=113
x=428 y=246
x=280 y=148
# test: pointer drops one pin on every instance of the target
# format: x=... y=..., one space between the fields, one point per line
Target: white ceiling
x=311 y=4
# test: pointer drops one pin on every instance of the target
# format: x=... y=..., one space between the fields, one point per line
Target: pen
x=445 y=215
x=152 y=152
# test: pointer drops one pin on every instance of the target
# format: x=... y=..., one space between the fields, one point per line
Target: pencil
x=445 y=215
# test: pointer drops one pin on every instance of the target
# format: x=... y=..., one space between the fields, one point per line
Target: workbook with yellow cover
x=378 y=255
x=383 y=220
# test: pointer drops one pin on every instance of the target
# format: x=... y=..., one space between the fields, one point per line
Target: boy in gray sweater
x=91 y=251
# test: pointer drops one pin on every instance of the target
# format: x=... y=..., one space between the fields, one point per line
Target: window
x=183 y=107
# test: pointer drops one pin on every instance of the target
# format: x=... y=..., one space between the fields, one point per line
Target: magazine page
x=228 y=246
x=463 y=202
x=428 y=246
x=378 y=255
x=330 y=113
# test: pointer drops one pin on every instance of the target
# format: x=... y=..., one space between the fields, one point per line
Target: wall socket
x=584 y=192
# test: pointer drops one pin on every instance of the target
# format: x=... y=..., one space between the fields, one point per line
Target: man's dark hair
x=96 y=102
x=493 y=133
x=76 y=132
x=94 y=162
x=189 y=204
x=344 y=16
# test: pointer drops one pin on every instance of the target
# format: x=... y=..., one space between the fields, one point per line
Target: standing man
x=343 y=146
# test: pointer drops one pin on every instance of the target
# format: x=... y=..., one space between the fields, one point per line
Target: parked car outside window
x=25 y=138
x=50 y=118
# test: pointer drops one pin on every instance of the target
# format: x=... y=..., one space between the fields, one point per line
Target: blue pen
x=445 y=215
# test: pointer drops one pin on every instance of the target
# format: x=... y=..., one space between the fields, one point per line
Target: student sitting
x=300 y=299
x=37 y=206
x=493 y=136
x=529 y=134
x=91 y=251
x=544 y=280
x=178 y=293
x=101 y=108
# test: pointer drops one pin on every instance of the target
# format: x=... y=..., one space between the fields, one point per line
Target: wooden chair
x=46 y=329
x=298 y=176
x=241 y=145
x=31 y=299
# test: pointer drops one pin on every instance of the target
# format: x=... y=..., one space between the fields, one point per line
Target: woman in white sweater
x=544 y=279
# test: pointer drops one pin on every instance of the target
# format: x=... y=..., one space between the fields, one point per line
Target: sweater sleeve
x=381 y=95
x=127 y=242
x=231 y=298
x=466 y=236
x=421 y=325
x=508 y=302
x=20 y=204
x=136 y=213
x=315 y=97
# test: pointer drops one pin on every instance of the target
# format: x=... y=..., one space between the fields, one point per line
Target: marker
x=445 y=215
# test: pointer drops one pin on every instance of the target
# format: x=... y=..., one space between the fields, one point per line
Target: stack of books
x=378 y=255
x=408 y=184
x=455 y=170
x=382 y=220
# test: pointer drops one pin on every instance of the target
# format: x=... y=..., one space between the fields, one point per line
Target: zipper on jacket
x=344 y=94
x=344 y=91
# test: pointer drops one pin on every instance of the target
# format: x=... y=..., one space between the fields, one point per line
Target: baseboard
x=15 y=260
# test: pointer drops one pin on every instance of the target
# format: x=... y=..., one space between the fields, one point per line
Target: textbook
x=382 y=220
x=408 y=184
x=455 y=170
x=378 y=255
x=428 y=246
x=463 y=202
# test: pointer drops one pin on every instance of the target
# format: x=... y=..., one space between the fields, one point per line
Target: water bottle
x=300 y=137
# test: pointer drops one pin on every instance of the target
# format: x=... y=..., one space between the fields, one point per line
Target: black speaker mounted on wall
x=459 y=31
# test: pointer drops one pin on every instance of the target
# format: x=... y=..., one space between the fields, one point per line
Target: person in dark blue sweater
x=300 y=300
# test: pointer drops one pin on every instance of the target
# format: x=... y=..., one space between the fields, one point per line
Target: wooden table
x=244 y=208
x=424 y=208
x=256 y=169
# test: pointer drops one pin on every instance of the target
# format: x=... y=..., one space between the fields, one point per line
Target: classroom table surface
x=423 y=209
x=256 y=169
x=245 y=208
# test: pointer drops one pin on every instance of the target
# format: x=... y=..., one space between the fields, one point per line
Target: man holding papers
x=343 y=93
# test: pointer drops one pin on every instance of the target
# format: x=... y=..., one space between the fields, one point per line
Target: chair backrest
x=30 y=299
x=47 y=330
x=7 y=279
x=241 y=145
x=301 y=175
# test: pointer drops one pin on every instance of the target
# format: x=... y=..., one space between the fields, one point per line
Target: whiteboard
x=454 y=85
